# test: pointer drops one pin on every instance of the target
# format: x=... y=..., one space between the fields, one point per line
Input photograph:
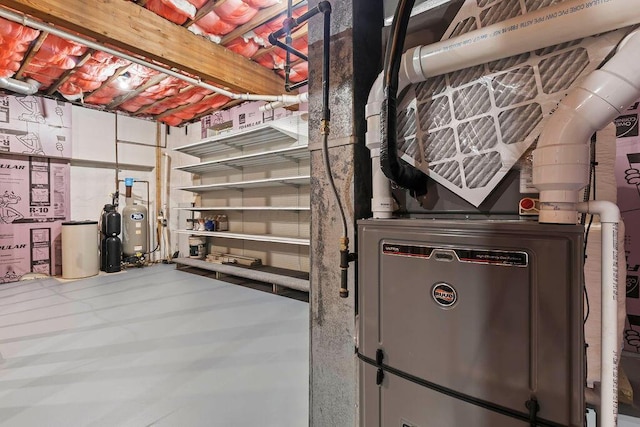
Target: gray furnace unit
x=470 y=324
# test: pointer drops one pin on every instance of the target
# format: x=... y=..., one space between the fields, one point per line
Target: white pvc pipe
x=561 y=159
x=303 y=97
x=552 y=25
x=165 y=207
x=609 y=218
x=559 y=23
x=382 y=200
x=24 y=20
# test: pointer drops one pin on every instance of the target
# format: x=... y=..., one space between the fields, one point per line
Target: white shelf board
x=246 y=208
x=295 y=153
x=277 y=131
x=257 y=183
x=253 y=237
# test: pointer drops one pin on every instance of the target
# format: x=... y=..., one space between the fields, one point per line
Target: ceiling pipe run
x=26 y=21
x=28 y=87
x=552 y=25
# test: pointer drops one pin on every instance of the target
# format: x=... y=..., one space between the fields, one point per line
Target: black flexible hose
x=397 y=171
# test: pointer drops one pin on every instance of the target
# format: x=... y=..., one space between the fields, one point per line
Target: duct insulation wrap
x=135 y=228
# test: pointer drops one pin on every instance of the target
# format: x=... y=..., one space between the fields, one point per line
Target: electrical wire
x=592 y=185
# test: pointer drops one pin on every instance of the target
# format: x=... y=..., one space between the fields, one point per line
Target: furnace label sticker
x=407 y=250
x=474 y=256
x=481 y=256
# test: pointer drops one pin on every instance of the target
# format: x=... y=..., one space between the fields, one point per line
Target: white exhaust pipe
x=552 y=25
x=28 y=87
x=561 y=170
x=609 y=218
x=561 y=159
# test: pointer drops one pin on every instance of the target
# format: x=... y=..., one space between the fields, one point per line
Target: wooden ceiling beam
x=264 y=15
x=35 y=47
x=142 y=32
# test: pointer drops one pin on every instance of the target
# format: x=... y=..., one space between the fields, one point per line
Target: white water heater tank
x=135 y=227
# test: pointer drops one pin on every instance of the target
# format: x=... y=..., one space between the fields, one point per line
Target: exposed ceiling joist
x=35 y=47
x=120 y=71
x=263 y=16
x=300 y=32
x=142 y=32
x=132 y=94
x=67 y=74
x=160 y=101
x=182 y=107
x=205 y=9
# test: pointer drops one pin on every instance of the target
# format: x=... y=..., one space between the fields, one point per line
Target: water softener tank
x=134 y=225
x=110 y=245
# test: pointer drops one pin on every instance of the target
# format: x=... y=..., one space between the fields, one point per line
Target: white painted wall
x=93 y=175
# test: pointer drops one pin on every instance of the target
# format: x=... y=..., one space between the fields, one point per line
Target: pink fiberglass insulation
x=212 y=24
x=246 y=48
x=92 y=74
x=271 y=61
x=171 y=120
x=299 y=44
x=198 y=3
x=262 y=32
x=166 y=88
x=161 y=8
x=135 y=76
x=190 y=112
x=261 y=3
x=55 y=56
x=298 y=72
x=234 y=12
x=189 y=96
x=14 y=42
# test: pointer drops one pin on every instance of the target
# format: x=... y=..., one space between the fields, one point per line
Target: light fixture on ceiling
x=124 y=81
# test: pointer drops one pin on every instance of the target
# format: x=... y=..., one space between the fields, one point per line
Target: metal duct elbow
x=561 y=159
x=23 y=88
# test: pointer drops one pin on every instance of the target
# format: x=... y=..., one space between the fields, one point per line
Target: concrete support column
x=355 y=62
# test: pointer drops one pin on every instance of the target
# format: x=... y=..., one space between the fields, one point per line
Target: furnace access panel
x=470 y=323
